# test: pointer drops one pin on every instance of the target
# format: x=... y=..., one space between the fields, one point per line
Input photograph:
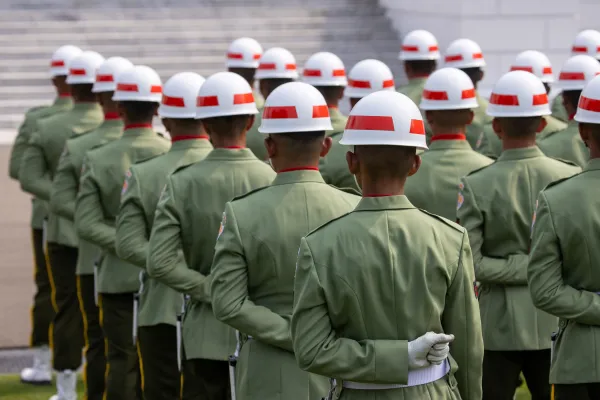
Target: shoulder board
x=480 y=169
x=347 y=190
x=565 y=161
x=555 y=183
x=444 y=220
x=327 y=223
x=250 y=192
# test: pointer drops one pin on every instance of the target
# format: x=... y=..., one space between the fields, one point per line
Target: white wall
x=502 y=28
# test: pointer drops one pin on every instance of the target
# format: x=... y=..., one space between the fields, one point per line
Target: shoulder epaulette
x=250 y=192
x=444 y=220
x=327 y=223
x=565 y=161
x=348 y=190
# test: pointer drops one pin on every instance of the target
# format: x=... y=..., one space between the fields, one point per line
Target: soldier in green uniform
x=326 y=72
x=566 y=143
x=62 y=202
x=277 y=66
x=419 y=53
x=495 y=205
x=253 y=268
x=563 y=263
x=158 y=304
x=38 y=169
x=138 y=93
x=42 y=311
x=243 y=57
x=366 y=77
x=448 y=102
x=187 y=218
x=365 y=298
x=467 y=56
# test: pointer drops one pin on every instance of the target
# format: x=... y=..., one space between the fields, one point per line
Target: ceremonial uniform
x=187 y=218
x=480 y=121
x=96 y=212
x=566 y=144
x=414 y=89
x=158 y=304
x=253 y=278
x=563 y=279
x=334 y=167
x=558 y=109
x=435 y=186
x=255 y=140
x=42 y=311
x=495 y=205
x=38 y=169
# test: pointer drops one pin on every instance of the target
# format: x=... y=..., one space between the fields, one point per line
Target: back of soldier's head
x=138 y=92
x=327 y=73
x=243 y=57
x=588 y=116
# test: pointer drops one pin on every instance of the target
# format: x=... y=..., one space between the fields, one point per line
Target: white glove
x=431 y=348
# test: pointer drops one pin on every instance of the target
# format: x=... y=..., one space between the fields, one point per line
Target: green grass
x=11 y=388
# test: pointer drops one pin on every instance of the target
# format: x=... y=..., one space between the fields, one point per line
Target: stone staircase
x=176 y=35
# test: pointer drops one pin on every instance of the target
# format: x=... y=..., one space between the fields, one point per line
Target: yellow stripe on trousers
x=85 y=332
x=139 y=351
x=52 y=298
x=101 y=317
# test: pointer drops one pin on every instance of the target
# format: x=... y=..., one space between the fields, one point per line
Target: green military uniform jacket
x=259 y=100
x=414 y=89
x=39 y=208
x=363 y=289
x=480 y=121
x=41 y=159
x=566 y=144
x=66 y=183
x=159 y=304
x=97 y=207
x=338 y=121
x=490 y=144
x=334 y=167
x=187 y=218
x=435 y=186
x=253 y=279
x=496 y=205
x=255 y=140
x=563 y=273
x=558 y=109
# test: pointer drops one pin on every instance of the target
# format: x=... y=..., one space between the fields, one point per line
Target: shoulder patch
x=222 y=227
x=126 y=182
x=480 y=140
x=537 y=202
x=328 y=223
x=444 y=220
x=461 y=197
x=250 y=193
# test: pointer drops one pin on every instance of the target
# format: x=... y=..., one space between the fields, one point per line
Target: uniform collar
x=138 y=130
x=384 y=203
x=113 y=123
x=63 y=101
x=86 y=107
x=443 y=144
x=298 y=176
x=184 y=143
x=221 y=154
x=520 y=154
x=593 y=165
x=419 y=80
x=335 y=114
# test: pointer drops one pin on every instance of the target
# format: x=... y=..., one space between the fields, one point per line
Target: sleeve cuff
x=391 y=361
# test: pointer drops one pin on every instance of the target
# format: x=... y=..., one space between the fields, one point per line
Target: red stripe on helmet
x=312 y=72
x=282 y=112
x=370 y=123
x=572 y=76
x=57 y=63
x=173 y=101
x=468 y=94
x=359 y=84
x=585 y=103
x=207 y=101
x=504 y=99
x=435 y=95
x=417 y=127
x=519 y=68
x=127 y=87
x=77 y=71
x=455 y=57
x=243 y=98
x=105 y=78
x=320 y=112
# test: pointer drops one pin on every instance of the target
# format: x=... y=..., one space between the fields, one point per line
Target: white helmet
x=107 y=73
x=385 y=118
x=448 y=89
x=577 y=71
x=82 y=69
x=419 y=45
x=518 y=94
x=587 y=42
x=59 y=63
x=535 y=62
x=324 y=69
x=464 y=53
x=295 y=107
x=244 y=53
x=368 y=76
x=179 y=96
x=225 y=94
x=588 y=110
x=140 y=83
x=276 y=63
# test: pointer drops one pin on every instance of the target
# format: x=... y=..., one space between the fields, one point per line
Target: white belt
x=415 y=378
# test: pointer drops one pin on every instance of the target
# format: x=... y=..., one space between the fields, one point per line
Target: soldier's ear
x=584 y=132
x=326 y=146
x=271 y=147
x=250 y=122
x=416 y=165
x=353 y=164
x=471 y=117
x=497 y=127
x=430 y=116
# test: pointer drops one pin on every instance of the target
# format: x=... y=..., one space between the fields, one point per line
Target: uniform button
x=562 y=323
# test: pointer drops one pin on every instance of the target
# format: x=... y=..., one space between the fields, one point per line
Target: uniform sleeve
x=461 y=318
x=229 y=291
x=34 y=172
x=320 y=350
x=511 y=270
x=165 y=261
x=18 y=149
x=548 y=290
x=64 y=189
x=89 y=212
x=133 y=233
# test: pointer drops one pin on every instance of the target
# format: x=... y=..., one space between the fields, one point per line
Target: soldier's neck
x=228 y=142
x=382 y=186
x=129 y=123
x=517 y=143
x=447 y=130
x=415 y=75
